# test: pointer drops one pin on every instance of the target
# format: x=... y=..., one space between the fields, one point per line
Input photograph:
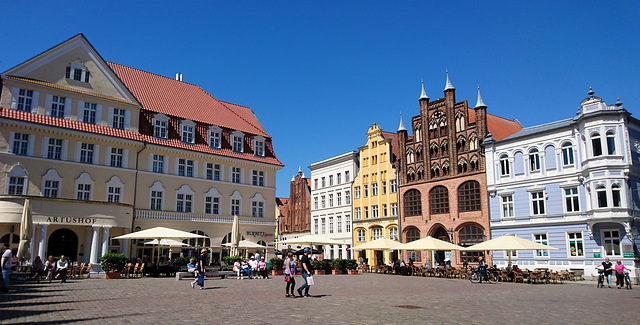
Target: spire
x=401 y=127
x=299 y=170
x=423 y=95
x=480 y=102
x=449 y=86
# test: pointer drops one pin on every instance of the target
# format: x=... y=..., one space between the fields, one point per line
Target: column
x=32 y=244
x=95 y=242
x=42 y=241
x=86 y=248
x=105 y=240
x=125 y=245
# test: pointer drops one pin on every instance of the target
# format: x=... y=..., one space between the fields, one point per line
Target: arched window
x=616 y=195
x=469 y=196
x=376 y=233
x=393 y=233
x=459 y=123
x=198 y=242
x=534 y=160
x=439 y=199
x=460 y=144
x=433 y=150
x=416 y=135
x=443 y=126
x=361 y=235
x=16 y=181
x=433 y=129
x=601 y=193
x=504 y=165
x=473 y=143
x=470 y=235
x=596 y=144
x=444 y=148
x=445 y=168
x=462 y=166
x=611 y=143
x=413 y=234
x=567 y=154
x=412 y=203
x=474 y=163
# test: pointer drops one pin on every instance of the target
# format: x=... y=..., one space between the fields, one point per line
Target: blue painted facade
x=572 y=184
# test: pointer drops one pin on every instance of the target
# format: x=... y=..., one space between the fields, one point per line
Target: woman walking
x=289 y=271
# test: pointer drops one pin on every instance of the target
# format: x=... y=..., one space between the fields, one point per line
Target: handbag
x=310 y=280
x=287 y=278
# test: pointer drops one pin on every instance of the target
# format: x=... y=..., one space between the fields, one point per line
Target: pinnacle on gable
x=480 y=102
x=449 y=85
x=401 y=127
x=423 y=95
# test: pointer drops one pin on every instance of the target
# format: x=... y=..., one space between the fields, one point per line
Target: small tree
x=318 y=265
x=229 y=260
x=111 y=262
x=338 y=264
x=277 y=264
x=351 y=264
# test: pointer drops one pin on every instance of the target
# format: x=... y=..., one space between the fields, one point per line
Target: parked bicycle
x=600 y=278
x=627 y=280
x=489 y=277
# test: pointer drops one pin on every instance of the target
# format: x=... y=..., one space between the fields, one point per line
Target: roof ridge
x=228 y=102
x=155 y=74
x=236 y=114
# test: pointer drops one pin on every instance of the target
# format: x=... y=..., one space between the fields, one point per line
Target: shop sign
x=258 y=234
x=72 y=220
x=627 y=255
x=597 y=255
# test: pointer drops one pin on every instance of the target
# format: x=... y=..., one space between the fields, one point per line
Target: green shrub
x=351 y=264
x=182 y=261
x=339 y=264
x=111 y=262
x=318 y=265
x=229 y=260
x=277 y=264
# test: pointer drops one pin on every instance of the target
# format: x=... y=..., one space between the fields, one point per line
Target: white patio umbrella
x=166 y=242
x=26 y=231
x=245 y=244
x=508 y=243
x=235 y=235
x=428 y=244
x=311 y=240
x=160 y=233
x=378 y=244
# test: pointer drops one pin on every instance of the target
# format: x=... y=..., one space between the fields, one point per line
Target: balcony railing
x=182 y=216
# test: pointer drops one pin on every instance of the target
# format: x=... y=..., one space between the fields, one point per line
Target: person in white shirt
x=62 y=267
x=6 y=267
x=238 y=268
x=253 y=264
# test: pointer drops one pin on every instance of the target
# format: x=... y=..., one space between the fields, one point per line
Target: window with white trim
x=258 y=146
x=537 y=203
x=339 y=199
x=315 y=226
x=323 y=201
x=362 y=237
x=346 y=176
x=384 y=210
x=315 y=203
x=156 y=196
x=118 y=118
x=235 y=175
x=257 y=209
x=54 y=149
x=330 y=180
x=331 y=225
x=394 y=209
x=393 y=233
x=347 y=222
x=374 y=211
x=217 y=172
x=86 y=153
x=576 y=245
x=534 y=160
x=184 y=202
x=208 y=170
x=89 y=113
x=616 y=195
x=384 y=187
x=507 y=206
x=596 y=144
x=611 y=143
x=347 y=197
x=356 y=192
x=160 y=122
x=215 y=137
x=116 y=157
x=376 y=233
x=394 y=186
x=113 y=194
x=567 y=154
x=374 y=189
x=83 y=192
x=20 y=144
x=187 y=131
x=58 y=106
x=77 y=71
x=185 y=167
x=339 y=178
x=158 y=163
x=366 y=212
x=25 y=100
x=365 y=190
x=236 y=203
x=50 y=188
x=330 y=200
x=504 y=165
x=339 y=224
x=16 y=181
x=601 y=194
x=236 y=141
x=212 y=202
x=257 y=177
x=323 y=226
x=541 y=239
x=611 y=239
x=571 y=199
x=358 y=213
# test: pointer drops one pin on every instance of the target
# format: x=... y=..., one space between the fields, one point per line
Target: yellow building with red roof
x=102 y=149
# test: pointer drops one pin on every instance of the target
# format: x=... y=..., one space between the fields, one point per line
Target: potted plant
x=277 y=266
x=112 y=264
x=318 y=267
x=338 y=266
x=352 y=266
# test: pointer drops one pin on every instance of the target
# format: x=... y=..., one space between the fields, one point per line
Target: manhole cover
x=409 y=307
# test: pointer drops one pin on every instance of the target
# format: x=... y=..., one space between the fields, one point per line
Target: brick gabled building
x=296 y=211
x=443 y=190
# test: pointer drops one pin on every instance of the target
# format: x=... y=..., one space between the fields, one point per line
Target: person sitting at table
x=61 y=269
x=515 y=268
x=237 y=267
x=36 y=268
x=50 y=268
x=403 y=268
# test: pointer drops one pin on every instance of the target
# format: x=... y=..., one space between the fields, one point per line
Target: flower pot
x=353 y=271
x=274 y=272
x=112 y=275
x=320 y=271
x=336 y=272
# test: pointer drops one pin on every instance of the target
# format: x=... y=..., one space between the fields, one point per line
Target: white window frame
x=331 y=200
x=19 y=174
x=258 y=178
x=571 y=197
x=215 y=137
x=58 y=106
x=376 y=233
x=615 y=187
x=394 y=209
x=220 y=171
x=506 y=201
x=26 y=145
x=374 y=189
x=119 y=118
x=91 y=112
x=393 y=186
x=505 y=169
x=315 y=226
x=347 y=197
x=606 y=238
x=339 y=224
x=124 y=157
x=58 y=152
x=534 y=160
x=153 y=201
x=567 y=154
x=610 y=137
x=575 y=234
x=184 y=199
x=235 y=175
x=89 y=150
x=24 y=100
x=361 y=235
x=77 y=72
x=186 y=167
x=114 y=183
x=358 y=212
x=84 y=179
x=338 y=199
x=375 y=213
x=259 y=146
x=237 y=141
x=601 y=193
x=538 y=238
x=393 y=233
x=160 y=126
x=235 y=203
x=156 y=162
x=51 y=176
x=188 y=132
x=347 y=223
x=537 y=196
x=356 y=192
x=212 y=202
x=323 y=226
x=331 y=230
x=258 y=206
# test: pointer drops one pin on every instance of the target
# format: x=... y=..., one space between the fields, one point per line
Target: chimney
x=179 y=76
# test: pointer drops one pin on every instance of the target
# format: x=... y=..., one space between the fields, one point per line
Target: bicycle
x=600 y=278
x=488 y=276
x=627 y=280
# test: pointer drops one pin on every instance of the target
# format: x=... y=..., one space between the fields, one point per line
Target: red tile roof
x=102 y=130
x=395 y=144
x=176 y=98
x=499 y=127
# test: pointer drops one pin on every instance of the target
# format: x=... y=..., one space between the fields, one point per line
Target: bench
x=207 y=274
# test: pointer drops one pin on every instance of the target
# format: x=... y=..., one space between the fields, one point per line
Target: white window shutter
x=175 y=167
x=125 y=158
x=195 y=168
x=80 y=110
x=150 y=167
x=14 y=97
x=165 y=167
x=127 y=120
x=45 y=147
x=47 y=105
x=11 y=137
x=96 y=154
x=35 y=103
x=98 y=114
x=77 y=157
x=67 y=108
x=65 y=146
x=31 y=144
x=110 y=118
x=107 y=156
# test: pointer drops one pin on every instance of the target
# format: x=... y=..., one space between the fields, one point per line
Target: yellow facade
x=375 y=197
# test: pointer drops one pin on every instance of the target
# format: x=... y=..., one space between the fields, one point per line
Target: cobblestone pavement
x=337 y=299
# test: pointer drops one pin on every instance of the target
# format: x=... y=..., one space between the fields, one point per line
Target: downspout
x=135 y=191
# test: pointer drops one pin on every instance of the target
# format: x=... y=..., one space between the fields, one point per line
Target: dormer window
x=160 y=122
x=236 y=140
x=187 y=134
x=78 y=72
x=215 y=137
x=258 y=146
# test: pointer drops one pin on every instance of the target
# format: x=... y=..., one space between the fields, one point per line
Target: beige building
x=102 y=149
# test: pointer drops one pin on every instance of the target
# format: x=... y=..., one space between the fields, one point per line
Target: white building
x=331 y=201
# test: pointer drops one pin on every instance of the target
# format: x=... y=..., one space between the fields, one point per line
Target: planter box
x=319 y=272
x=114 y=275
x=274 y=272
x=353 y=271
x=336 y=272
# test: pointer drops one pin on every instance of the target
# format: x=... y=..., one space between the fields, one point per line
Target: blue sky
x=319 y=73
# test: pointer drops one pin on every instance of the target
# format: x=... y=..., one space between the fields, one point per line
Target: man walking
x=6 y=267
x=201 y=260
x=307 y=271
